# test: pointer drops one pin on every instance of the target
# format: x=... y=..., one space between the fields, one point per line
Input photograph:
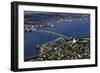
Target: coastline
x=51 y=48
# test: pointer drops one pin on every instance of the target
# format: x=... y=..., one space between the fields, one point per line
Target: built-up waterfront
x=41 y=28
x=64 y=49
x=50 y=20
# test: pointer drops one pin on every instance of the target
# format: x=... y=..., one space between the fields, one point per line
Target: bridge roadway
x=51 y=32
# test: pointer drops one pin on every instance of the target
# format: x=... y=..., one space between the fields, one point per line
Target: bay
x=73 y=28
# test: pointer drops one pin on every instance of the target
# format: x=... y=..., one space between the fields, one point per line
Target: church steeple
x=74 y=41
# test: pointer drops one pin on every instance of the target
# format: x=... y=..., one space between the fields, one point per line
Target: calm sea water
x=75 y=28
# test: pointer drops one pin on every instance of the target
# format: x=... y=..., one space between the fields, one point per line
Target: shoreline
x=46 y=47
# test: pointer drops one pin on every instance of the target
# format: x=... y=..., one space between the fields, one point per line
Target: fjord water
x=75 y=28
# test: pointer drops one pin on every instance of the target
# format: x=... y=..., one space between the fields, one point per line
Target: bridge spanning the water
x=51 y=32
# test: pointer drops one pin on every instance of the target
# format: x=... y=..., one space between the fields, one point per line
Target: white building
x=74 y=41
